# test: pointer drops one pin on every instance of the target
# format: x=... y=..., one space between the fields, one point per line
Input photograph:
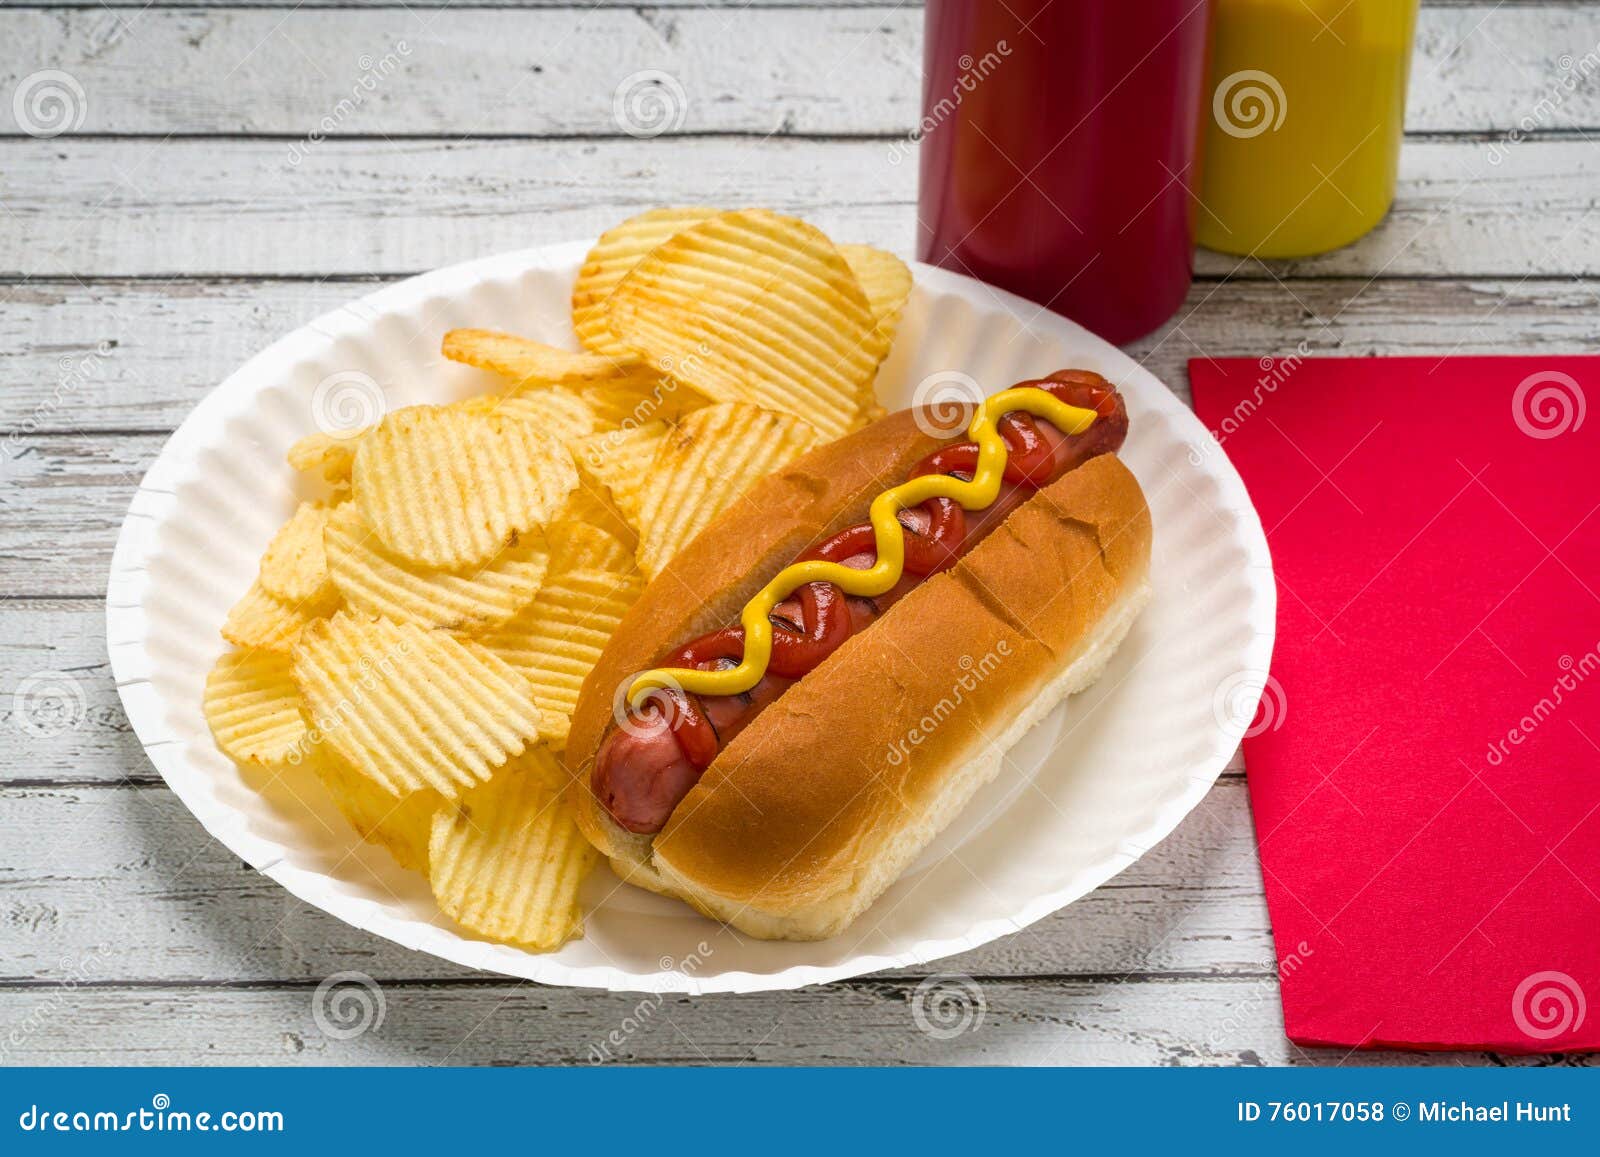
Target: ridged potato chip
x=448 y=488
x=616 y=252
x=883 y=277
x=266 y=622
x=401 y=825
x=295 y=568
x=754 y=307
x=507 y=859
x=640 y=399
x=479 y=403
x=411 y=708
x=375 y=581
x=885 y=280
x=556 y=411
x=591 y=504
x=703 y=466
x=621 y=459
x=557 y=641
x=578 y=545
x=333 y=454
x=526 y=361
x=253 y=708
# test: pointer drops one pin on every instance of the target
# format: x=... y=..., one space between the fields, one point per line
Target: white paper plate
x=1086 y=793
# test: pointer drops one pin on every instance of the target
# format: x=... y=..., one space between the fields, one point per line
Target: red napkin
x=1425 y=768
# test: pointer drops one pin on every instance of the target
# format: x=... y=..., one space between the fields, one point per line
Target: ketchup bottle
x=1059 y=152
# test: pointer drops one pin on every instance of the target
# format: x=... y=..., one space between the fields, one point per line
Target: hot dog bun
x=821 y=802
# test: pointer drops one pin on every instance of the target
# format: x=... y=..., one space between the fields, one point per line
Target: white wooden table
x=228 y=173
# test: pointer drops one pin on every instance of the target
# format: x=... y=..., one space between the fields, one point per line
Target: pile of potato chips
x=416 y=637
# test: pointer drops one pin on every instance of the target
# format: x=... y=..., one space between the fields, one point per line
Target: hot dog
x=642 y=771
x=1049 y=566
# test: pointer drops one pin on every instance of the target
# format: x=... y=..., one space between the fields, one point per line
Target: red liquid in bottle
x=1059 y=151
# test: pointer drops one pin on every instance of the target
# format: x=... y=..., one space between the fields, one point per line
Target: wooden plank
x=433 y=5
x=556 y=70
x=129 y=867
x=121 y=207
x=1491 y=66
x=137 y=355
x=1458 y=213
x=188 y=206
x=59 y=710
x=1052 y=1022
x=166 y=344
x=62 y=501
x=481 y=72
x=436 y=5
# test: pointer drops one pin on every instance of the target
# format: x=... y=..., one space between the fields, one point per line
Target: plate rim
x=127 y=638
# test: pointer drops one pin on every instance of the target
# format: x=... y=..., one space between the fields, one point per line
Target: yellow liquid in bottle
x=1307 y=110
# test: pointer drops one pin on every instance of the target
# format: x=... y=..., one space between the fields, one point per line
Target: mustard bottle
x=1307 y=111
